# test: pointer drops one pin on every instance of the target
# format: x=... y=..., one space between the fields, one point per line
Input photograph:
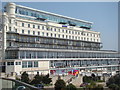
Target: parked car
x=21 y=88
x=39 y=86
x=83 y=84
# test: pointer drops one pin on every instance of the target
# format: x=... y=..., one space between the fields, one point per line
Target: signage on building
x=64 y=26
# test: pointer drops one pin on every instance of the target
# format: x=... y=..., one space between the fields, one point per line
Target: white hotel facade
x=37 y=41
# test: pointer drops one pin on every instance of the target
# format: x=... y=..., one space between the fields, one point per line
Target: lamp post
x=118 y=66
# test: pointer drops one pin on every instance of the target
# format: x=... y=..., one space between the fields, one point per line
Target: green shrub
x=60 y=84
x=71 y=87
x=25 y=77
x=114 y=87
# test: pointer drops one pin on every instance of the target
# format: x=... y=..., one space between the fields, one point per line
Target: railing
x=11 y=84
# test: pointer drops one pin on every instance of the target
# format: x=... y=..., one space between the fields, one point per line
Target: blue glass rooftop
x=42 y=15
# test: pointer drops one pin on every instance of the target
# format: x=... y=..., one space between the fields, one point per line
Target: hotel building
x=37 y=41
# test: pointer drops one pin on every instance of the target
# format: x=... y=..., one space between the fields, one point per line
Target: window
x=31 y=14
x=81 y=33
x=72 y=32
x=22 y=31
x=84 y=38
x=22 y=24
x=28 y=31
x=91 y=34
x=18 y=63
x=10 y=63
x=38 y=27
x=72 y=37
x=87 y=34
x=75 y=32
x=81 y=38
x=28 y=25
x=10 y=21
x=69 y=31
x=10 y=28
x=55 y=29
x=15 y=30
x=33 y=32
x=38 y=33
x=97 y=40
x=47 y=34
x=51 y=34
x=47 y=28
x=69 y=37
x=51 y=29
x=35 y=63
x=87 y=39
x=59 y=35
x=55 y=35
x=30 y=64
x=42 y=27
x=91 y=39
x=66 y=36
x=24 y=64
x=16 y=23
x=76 y=38
x=59 y=30
x=43 y=33
x=26 y=13
x=33 y=26
x=98 y=35
x=10 y=44
x=66 y=31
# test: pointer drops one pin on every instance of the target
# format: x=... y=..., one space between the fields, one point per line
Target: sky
x=104 y=16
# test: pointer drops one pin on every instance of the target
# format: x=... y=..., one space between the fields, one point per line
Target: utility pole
x=118 y=71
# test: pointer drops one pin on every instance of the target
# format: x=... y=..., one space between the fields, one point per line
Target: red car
x=83 y=84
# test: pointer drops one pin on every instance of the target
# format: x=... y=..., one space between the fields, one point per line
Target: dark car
x=83 y=84
x=21 y=88
x=39 y=86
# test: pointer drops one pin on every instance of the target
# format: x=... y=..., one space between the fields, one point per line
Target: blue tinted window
x=50 y=17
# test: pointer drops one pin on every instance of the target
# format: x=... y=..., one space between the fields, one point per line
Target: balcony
x=85 y=27
x=41 y=19
x=62 y=22
x=71 y=23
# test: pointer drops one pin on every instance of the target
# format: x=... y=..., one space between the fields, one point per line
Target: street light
x=119 y=67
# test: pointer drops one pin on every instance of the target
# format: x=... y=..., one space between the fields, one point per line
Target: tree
x=91 y=78
x=93 y=86
x=25 y=77
x=87 y=79
x=114 y=87
x=98 y=87
x=60 y=84
x=71 y=87
x=37 y=79
x=46 y=79
x=114 y=80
